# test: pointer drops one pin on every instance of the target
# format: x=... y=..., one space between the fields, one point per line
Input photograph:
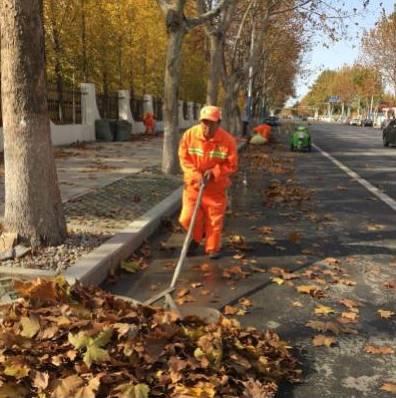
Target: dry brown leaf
x=376 y=349
x=350 y=316
x=295 y=237
x=278 y=281
x=389 y=387
x=322 y=340
x=385 y=314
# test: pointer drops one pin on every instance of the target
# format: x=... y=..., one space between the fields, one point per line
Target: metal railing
x=107 y=105
x=185 y=110
x=64 y=107
x=137 y=108
x=158 y=108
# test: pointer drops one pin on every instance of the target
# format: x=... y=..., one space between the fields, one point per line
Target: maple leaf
x=245 y=302
x=385 y=314
x=15 y=369
x=256 y=389
x=79 y=340
x=313 y=290
x=351 y=304
x=322 y=340
x=324 y=326
x=200 y=390
x=89 y=391
x=40 y=380
x=389 y=387
x=375 y=349
x=132 y=391
x=95 y=354
x=66 y=387
x=131 y=266
x=13 y=391
x=350 y=316
x=30 y=326
x=323 y=310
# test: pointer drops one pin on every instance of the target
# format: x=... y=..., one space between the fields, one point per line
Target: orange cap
x=210 y=112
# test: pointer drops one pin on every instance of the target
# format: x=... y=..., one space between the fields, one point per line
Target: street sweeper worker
x=149 y=123
x=264 y=130
x=208 y=154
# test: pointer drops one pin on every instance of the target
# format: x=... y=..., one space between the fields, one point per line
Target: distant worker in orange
x=149 y=123
x=207 y=153
x=264 y=130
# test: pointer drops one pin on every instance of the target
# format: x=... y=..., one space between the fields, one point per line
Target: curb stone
x=94 y=267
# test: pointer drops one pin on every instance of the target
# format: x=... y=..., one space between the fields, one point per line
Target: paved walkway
x=85 y=168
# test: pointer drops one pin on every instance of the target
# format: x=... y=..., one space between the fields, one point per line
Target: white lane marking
x=355 y=176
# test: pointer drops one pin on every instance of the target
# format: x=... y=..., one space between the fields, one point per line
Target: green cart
x=300 y=139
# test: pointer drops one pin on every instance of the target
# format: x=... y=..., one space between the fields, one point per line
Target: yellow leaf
x=278 y=281
x=30 y=326
x=130 y=266
x=16 y=369
x=323 y=310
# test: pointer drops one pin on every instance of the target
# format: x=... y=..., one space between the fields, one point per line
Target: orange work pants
x=210 y=217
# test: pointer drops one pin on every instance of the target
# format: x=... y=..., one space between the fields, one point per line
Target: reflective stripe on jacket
x=197 y=154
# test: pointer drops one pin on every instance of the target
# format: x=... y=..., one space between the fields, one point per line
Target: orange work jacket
x=197 y=155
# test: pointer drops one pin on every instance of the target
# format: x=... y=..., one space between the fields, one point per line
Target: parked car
x=355 y=122
x=272 y=121
x=389 y=133
x=367 y=123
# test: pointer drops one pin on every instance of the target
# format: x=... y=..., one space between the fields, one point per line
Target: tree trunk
x=216 y=55
x=33 y=207
x=170 y=163
x=231 y=89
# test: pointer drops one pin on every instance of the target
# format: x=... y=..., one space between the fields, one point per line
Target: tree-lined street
x=181 y=219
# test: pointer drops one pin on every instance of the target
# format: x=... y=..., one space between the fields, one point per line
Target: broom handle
x=187 y=240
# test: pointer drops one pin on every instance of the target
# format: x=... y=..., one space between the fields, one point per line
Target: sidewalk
x=104 y=187
x=89 y=166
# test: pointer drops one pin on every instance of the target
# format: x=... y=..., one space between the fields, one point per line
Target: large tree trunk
x=170 y=163
x=216 y=59
x=33 y=207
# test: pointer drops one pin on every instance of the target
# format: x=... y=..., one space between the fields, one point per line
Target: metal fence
x=158 y=108
x=137 y=108
x=107 y=105
x=64 y=107
x=185 y=110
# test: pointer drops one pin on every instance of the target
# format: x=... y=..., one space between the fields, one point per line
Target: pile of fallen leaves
x=63 y=341
x=286 y=193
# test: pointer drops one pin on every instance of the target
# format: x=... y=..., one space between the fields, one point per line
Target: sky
x=343 y=52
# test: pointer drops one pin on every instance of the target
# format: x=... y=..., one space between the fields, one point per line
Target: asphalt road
x=342 y=220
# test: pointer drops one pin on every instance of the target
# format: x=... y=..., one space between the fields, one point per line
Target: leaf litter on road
x=114 y=348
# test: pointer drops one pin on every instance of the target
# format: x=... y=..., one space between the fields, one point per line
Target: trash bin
x=123 y=130
x=103 y=130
